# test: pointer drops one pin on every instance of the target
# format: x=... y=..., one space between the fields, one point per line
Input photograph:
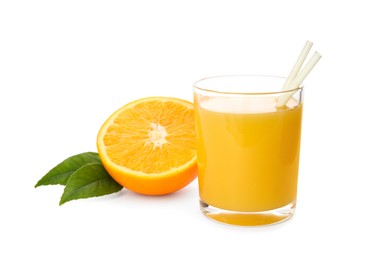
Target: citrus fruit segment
x=149 y=145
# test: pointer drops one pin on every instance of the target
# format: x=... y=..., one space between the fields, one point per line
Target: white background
x=65 y=66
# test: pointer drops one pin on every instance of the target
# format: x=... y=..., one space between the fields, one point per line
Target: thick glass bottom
x=260 y=218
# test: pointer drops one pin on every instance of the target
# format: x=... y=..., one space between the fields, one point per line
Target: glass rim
x=243 y=93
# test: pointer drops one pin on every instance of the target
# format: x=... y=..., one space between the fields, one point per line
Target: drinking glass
x=248 y=148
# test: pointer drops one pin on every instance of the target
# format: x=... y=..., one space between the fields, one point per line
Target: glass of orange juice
x=248 y=148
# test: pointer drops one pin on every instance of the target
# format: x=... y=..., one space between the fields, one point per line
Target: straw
x=296 y=82
x=298 y=65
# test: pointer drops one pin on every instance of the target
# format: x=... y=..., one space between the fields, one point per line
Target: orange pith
x=149 y=145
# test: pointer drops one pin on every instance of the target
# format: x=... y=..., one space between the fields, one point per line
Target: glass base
x=260 y=218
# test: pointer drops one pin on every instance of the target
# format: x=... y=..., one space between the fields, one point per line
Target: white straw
x=298 y=65
x=283 y=99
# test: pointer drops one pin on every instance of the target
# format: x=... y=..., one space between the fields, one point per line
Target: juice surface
x=248 y=153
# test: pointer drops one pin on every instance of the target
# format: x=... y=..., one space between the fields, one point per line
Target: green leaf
x=61 y=173
x=91 y=180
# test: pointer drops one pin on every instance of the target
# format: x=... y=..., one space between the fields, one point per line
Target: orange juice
x=248 y=152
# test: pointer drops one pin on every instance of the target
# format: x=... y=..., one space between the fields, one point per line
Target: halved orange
x=149 y=145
